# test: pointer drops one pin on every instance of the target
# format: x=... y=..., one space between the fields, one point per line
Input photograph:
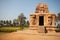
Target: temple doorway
x=41 y=20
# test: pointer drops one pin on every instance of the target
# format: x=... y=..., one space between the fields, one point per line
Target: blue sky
x=10 y=9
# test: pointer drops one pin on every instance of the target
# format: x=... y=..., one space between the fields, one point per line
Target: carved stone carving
x=49 y=20
x=34 y=20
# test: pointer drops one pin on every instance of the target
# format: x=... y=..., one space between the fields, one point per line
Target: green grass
x=9 y=29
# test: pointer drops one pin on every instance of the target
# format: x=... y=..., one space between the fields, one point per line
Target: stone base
x=41 y=29
x=33 y=28
x=51 y=29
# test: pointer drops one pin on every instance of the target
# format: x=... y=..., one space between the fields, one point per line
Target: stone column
x=37 y=20
x=53 y=21
x=45 y=20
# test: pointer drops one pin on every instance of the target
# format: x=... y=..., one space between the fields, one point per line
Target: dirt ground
x=30 y=35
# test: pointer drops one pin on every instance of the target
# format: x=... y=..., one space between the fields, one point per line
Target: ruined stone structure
x=42 y=19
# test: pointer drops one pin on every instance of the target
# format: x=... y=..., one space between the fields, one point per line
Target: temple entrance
x=41 y=20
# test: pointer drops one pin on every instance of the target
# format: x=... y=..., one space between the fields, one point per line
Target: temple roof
x=42 y=7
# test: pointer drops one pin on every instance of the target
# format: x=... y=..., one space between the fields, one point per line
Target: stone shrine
x=42 y=19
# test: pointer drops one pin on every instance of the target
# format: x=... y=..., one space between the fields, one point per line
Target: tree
x=7 y=23
x=10 y=23
x=58 y=19
x=4 y=23
x=15 y=22
x=1 y=22
x=27 y=23
x=22 y=20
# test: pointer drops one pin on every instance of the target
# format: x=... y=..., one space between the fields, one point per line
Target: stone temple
x=42 y=20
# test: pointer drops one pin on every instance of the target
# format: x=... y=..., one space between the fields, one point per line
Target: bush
x=57 y=30
x=8 y=29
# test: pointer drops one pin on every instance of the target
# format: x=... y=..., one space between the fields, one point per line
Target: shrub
x=57 y=29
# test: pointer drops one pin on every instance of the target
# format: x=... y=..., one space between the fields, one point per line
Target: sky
x=11 y=9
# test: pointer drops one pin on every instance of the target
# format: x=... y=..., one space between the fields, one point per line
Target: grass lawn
x=8 y=29
x=4 y=30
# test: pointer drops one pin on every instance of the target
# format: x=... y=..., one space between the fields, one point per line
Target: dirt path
x=30 y=35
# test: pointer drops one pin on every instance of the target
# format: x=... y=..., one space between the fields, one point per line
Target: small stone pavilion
x=42 y=20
